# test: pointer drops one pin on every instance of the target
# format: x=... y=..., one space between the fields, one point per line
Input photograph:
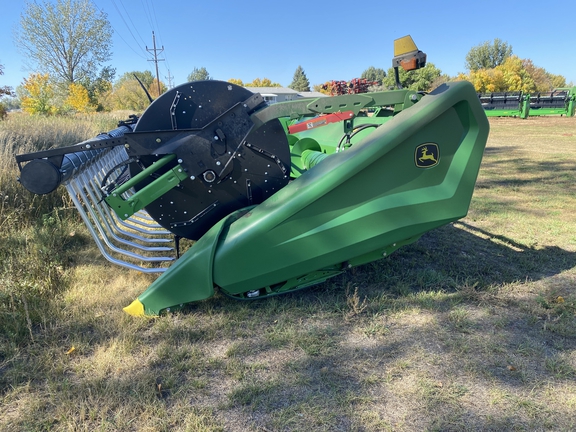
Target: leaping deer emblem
x=426 y=156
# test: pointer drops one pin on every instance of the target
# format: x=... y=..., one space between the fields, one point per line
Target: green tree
x=68 y=39
x=100 y=88
x=419 y=80
x=374 y=74
x=488 y=55
x=128 y=93
x=129 y=96
x=7 y=104
x=199 y=74
x=441 y=79
x=145 y=77
x=5 y=90
x=10 y=102
x=300 y=82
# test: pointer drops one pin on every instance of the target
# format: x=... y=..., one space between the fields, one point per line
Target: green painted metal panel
x=125 y=208
x=358 y=201
x=188 y=279
x=521 y=109
x=566 y=110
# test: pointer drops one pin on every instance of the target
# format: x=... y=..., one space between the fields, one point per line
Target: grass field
x=473 y=327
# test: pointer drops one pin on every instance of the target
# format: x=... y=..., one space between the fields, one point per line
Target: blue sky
x=330 y=39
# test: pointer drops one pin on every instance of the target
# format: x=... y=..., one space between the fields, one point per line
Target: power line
x=169 y=78
x=125 y=23
x=150 y=13
x=118 y=33
x=156 y=51
x=146 y=9
x=128 y=14
x=153 y=20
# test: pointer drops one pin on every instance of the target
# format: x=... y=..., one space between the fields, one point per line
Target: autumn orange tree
x=38 y=93
x=264 y=82
x=78 y=98
x=323 y=88
x=493 y=68
x=236 y=81
x=515 y=75
x=153 y=88
x=543 y=80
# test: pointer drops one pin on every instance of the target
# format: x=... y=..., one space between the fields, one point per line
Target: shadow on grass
x=511 y=353
x=455 y=255
x=549 y=175
x=424 y=354
x=295 y=362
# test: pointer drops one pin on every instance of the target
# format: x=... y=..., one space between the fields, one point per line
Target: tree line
x=68 y=43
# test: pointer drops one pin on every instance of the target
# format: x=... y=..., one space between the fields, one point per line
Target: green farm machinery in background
x=275 y=197
x=560 y=102
x=505 y=104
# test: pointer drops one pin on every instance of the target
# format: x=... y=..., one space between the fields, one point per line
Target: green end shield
x=188 y=279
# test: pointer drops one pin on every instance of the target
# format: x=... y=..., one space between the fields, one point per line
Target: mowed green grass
x=471 y=328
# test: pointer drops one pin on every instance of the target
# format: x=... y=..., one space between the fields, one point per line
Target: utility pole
x=169 y=78
x=155 y=52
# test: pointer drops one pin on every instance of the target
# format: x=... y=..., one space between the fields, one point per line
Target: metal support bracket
x=126 y=207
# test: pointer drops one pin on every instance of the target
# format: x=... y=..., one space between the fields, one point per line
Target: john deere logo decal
x=427 y=155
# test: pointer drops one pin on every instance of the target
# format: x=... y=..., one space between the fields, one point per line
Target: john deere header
x=276 y=197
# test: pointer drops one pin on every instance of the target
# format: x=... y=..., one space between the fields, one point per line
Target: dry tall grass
x=35 y=242
x=21 y=133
